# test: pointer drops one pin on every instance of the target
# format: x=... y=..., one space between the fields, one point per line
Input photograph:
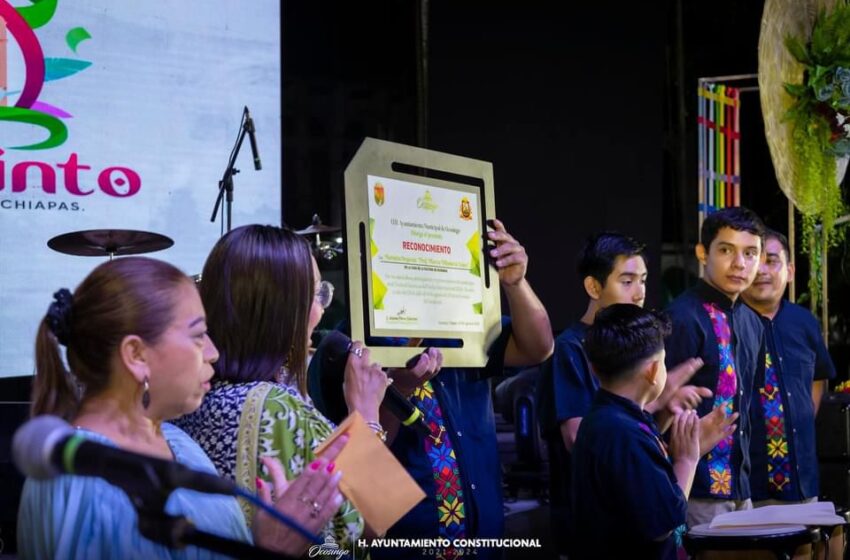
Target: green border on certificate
x=415 y=224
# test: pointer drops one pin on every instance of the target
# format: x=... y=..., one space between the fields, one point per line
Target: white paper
x=814 y=514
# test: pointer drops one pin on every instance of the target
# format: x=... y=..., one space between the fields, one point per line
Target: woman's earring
x=146 y=395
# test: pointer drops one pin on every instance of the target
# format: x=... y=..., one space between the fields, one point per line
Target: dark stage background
x=569 y=111
x=588 y=113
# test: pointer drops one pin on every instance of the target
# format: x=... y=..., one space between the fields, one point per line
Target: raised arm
x=531 y=341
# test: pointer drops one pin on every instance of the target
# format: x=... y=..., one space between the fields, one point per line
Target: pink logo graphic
x=19 y=24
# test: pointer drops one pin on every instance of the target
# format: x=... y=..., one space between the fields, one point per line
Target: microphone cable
x=288 y=521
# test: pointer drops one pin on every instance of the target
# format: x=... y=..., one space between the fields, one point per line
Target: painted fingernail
x=331 y=466
x=259 y=483
x=337 y=501
x=315 y=465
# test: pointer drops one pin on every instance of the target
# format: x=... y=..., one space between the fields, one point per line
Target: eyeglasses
x=324 y=294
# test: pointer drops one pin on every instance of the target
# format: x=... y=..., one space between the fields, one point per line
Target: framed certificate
x=415 y=222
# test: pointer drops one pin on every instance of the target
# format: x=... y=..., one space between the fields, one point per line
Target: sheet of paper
x=425 y=254
x=815 y=514
x=372 y=478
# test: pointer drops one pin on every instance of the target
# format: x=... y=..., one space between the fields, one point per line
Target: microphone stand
x=177 y=531
x=225 y=185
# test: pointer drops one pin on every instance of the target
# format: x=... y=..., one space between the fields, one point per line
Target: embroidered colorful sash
x=720 y=458
x=447 y=482
x=778 y=461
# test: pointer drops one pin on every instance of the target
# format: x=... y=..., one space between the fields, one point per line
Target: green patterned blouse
x=239 y=423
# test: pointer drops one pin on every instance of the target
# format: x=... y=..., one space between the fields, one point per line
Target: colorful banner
x=122 y=115
x=719 y=141
x=425 y=247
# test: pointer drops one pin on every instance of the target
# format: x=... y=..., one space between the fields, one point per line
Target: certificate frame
x=444 y=173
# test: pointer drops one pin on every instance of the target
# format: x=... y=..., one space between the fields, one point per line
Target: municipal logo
x=426 y=202
x=378 y=191
x=465 y=209
x=329 y=548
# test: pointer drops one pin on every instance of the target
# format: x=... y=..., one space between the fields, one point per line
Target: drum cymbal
x=109 y=242
x=317 y=227
x=321 y=228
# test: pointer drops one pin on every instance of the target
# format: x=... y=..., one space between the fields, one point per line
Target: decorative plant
x=820 y=124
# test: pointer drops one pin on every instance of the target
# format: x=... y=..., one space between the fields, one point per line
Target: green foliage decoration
x=820 y=129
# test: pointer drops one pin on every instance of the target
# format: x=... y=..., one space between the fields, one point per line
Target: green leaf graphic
x=57 y=129
x=477 y=309
x=379 y=290
x=39 y=13
x=372 y=246
x=75 y=37
x=474 y=246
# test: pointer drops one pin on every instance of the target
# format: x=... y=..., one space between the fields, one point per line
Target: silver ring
x=316 y=508
x=357 y=351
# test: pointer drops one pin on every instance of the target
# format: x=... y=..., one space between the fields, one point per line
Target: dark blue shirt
x=625 y=495
x=464 y=395
x=565 y=390
x=567 y=383
x=799 y=358
x=693 y=336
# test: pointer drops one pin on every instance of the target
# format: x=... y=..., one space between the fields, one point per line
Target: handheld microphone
x=336 y=347
x=47 y=446
x=249 y=127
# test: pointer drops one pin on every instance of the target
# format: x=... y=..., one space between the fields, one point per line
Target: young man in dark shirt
x=710 y=321
x=622 y=471
x=787 y=395
x=612 y=269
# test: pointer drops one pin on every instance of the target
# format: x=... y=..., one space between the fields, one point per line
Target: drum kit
x=113 y=243
x=327 y=249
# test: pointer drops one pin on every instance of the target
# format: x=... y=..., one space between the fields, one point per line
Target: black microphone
x=335 y=347
x=249 y=127
x=47 y=446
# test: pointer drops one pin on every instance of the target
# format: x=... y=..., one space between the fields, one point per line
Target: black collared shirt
x=693 y=336
x=799 y=358
x=626 y=501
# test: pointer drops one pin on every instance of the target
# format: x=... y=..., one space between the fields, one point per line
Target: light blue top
x=86 y=517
